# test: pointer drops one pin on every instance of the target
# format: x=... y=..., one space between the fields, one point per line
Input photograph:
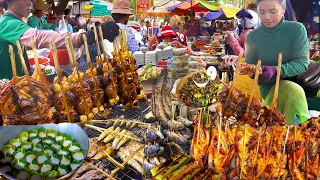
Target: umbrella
x=229 y=10
x=161 y=9
x=197 y=6
x=214 y=15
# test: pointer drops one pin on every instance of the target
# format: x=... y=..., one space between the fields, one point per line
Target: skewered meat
x=21 y=105
x=295 y=149
x=40 y=76
x=236 y=106
x=220 y=159
x=271 y=117
x=249 y=69
x=250 y=161
x=85 y=103
x=200 y=144
x=276 y=161
x=303 y=151
x=111 y=87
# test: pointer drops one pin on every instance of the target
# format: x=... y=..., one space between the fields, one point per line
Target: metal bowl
x=10 y=132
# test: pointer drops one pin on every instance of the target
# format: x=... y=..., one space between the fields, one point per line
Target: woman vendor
x=12 y=29
x=275 y=36
x=37 y=19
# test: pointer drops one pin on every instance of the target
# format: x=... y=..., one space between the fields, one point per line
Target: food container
x=42 y=60
x=180 y=65
x=212 y=60
x=180 y=59
x=63 y=57
x=193 y=65
x=10 y=132
x=179 y=51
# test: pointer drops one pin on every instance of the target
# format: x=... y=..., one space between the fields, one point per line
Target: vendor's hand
x=177 y=44
x=201 y=63
x=230 y=60
x=316 y=54
x=267 y=73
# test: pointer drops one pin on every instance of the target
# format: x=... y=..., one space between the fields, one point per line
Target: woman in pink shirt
x=13 y=29
x=249 y=20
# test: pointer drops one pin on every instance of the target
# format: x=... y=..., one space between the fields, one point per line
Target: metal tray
x=10 y=132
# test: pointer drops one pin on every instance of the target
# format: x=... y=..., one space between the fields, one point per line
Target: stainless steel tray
x=10 y=132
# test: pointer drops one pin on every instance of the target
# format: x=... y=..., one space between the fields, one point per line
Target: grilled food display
x=41 y=152
x=24 y=103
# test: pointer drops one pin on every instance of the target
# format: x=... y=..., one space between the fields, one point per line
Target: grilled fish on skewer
x=175 y=138
x=112 y=135
x=118 y=138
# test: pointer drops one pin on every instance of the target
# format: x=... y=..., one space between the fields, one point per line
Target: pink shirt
x=43 y=38
x=238 y=45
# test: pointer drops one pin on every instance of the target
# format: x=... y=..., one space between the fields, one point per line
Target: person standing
x=75 y=24
x=176 y=24
x=195 y=27
x=37 y=20
x=121 y=13
x=212 y=28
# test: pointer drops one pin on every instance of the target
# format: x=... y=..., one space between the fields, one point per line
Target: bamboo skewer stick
x=97 y=43
x=294 y=151
x=111 y=159
x=255 y=83
x=59 y=73
x=13 y=64
x=127 y=160
x=243 y=150
x=233 y=84
x=20 y=53
x=105 y=55
x=257 y=151
x=105 y=121
x=219 y=136
x=36 y=60
x=276 y=89
x=89 y=60
x=26 y=72
x=306 y=157
x=103 y=129
x=284 y=149
x=75 y=68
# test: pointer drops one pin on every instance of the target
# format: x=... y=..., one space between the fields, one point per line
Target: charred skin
x=58 y=100
x=85 y=102
x=19 y=105
x=237 y=104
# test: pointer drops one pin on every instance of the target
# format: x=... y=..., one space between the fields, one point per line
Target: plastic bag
x=62 y=25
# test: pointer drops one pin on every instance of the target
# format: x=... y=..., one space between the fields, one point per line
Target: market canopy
x=195 y=5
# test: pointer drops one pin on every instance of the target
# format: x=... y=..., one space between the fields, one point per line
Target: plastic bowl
x=179 y=51
x=10 y=132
